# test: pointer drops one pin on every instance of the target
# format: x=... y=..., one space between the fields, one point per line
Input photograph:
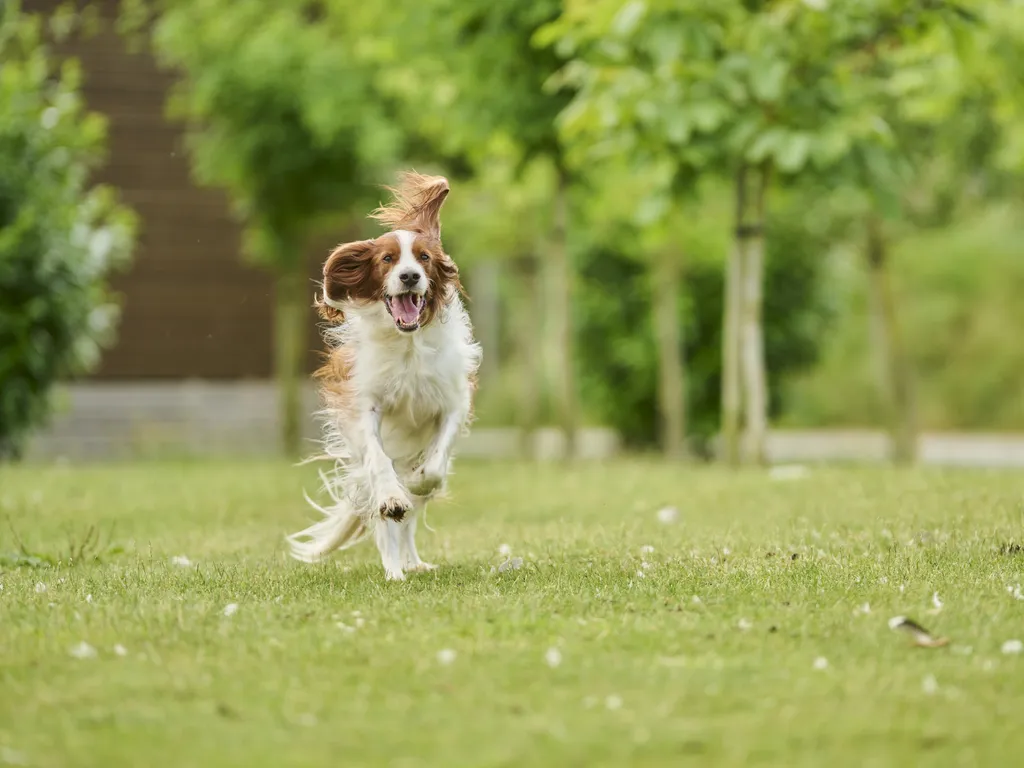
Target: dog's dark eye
x=424 y=256
x=388 y=259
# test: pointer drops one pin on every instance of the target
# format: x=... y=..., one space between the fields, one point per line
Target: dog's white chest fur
x=414 y=378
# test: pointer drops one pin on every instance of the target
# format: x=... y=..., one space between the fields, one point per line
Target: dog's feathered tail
x=341 y=528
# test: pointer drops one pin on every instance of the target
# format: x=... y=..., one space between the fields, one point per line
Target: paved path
x=194 y=419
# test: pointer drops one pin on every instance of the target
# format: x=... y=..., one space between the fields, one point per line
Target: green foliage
x=470 y=71
x=617 y=346
x=282 y=112
x=60 y=237
x=959 y=291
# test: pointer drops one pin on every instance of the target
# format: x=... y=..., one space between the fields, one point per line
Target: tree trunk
x=528 y=329
x=560 y=318
x=671 y=363
x=293 y=297
x=755 y=378
x=731 y=403
x=897 y=380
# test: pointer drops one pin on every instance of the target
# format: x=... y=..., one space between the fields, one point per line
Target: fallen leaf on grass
x=921 y=637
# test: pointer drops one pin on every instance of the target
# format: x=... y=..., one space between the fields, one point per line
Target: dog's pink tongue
x=406 y=308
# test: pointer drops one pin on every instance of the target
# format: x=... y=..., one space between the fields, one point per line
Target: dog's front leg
x=430 y=475
x=387 y=495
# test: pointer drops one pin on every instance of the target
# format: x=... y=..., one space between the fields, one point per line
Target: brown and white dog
x=398 y=384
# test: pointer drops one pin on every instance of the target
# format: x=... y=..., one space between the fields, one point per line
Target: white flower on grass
x=1013 y=646
x=345 y=628
x=646 y=549
x=512 y=564
x=862 y=610
x=40 y=587
x=10 y=756
x=937 y=602
x=726 y=551
x=553 y=657
x=120 y=650
x=445 y=656
x=820 y=663
x=695 y=600
x=88 y=598
x=930 y=685
x=231 y=609
x=83 y=651
x=645 y=565
x=640 y=574
x=668 y=515
x=883 y=580
x=744 y=624
x=1015 y=592
x=788 y=472
x=613 y=702
x=181 y=560
x=504 y=550
x=360 y=621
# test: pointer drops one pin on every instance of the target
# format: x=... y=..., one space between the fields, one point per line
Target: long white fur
x=414 y=400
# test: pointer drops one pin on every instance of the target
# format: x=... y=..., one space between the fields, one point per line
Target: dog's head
x=405 y=271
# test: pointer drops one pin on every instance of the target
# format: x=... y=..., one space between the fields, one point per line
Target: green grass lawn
x=708 y=654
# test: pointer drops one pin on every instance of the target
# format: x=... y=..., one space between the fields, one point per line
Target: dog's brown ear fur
x=417 y=204
x=349 y=274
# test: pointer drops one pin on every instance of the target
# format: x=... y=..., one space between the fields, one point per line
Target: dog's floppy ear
x=417 y=204
x=349 y=275
x=434 y=192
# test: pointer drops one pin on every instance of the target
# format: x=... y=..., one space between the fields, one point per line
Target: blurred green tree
x=750 y=89
x=60 y=237
x=480 y=81
x=622 y=349
x=283 y=113
x=914 y=79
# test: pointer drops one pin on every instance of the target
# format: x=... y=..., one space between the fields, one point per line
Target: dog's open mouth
x=405 y=309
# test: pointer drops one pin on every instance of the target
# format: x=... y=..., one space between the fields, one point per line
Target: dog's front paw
x=394 y=508
x=426 y=479
x=393 y=574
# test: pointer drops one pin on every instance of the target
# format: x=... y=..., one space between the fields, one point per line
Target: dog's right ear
x=349 y=275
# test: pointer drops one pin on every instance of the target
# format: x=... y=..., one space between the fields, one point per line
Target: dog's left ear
x=417 y=204
x=432 y=196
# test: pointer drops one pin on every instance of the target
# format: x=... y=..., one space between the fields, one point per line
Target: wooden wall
x=191 y=307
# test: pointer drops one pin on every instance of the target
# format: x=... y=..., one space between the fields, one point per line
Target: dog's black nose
x=409 y=278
